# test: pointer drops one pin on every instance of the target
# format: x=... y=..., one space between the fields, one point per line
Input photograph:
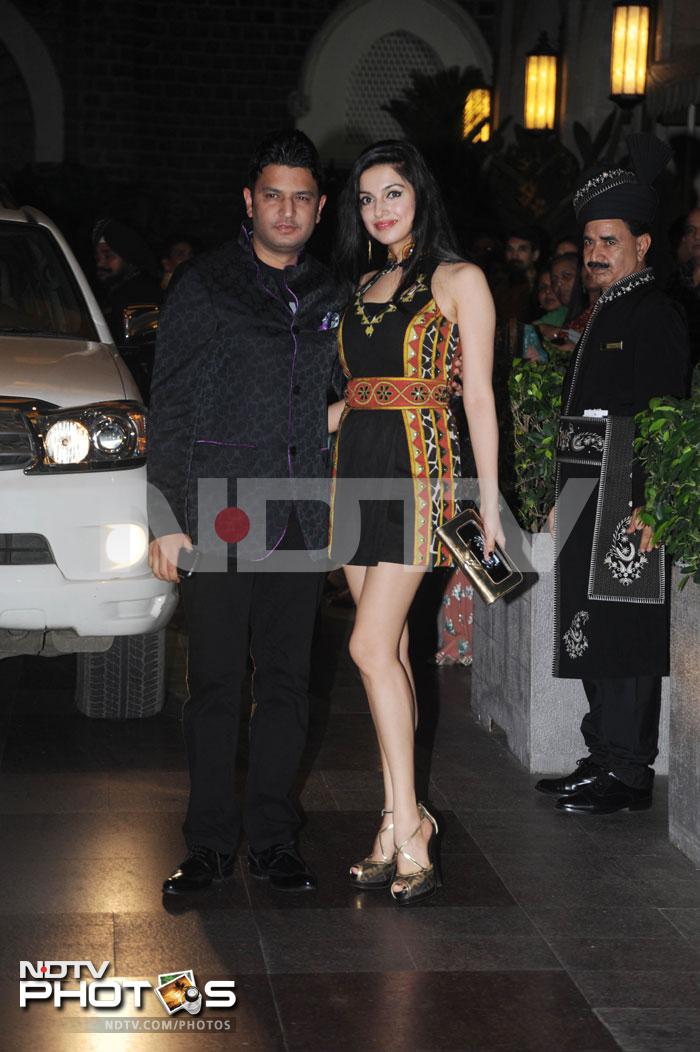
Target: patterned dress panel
x=429 y=349
x=375 y=341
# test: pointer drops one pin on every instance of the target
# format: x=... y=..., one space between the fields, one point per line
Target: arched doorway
x=28 y=60
x=16 y=117
x=364 y=55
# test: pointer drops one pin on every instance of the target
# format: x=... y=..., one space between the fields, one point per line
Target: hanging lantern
x=541 y=86
x=477 y=108
x=628 y=52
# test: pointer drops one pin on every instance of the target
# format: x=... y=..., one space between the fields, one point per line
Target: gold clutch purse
x=493 y=577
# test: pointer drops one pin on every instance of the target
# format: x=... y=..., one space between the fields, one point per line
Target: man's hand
x=163 y=554
x=550 y=521
x=645 y=544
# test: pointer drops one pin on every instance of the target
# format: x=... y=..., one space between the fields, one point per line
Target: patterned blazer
x=242 y=378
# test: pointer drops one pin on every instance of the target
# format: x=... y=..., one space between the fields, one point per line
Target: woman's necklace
x=368 y=322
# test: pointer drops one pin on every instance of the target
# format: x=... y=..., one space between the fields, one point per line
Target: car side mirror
x=140 y=321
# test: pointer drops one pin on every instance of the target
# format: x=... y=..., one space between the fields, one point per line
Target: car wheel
x=125 y=682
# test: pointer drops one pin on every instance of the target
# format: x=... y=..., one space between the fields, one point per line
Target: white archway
x=45 y=91
x=428 y=34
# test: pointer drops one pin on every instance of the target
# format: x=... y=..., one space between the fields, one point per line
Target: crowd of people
x=546 y=296
x=257 y=336
x=128 y=272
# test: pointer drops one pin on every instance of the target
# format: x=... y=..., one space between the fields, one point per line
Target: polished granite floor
x=552 y=933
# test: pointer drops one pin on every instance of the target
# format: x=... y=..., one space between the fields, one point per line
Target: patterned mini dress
x=397 y=449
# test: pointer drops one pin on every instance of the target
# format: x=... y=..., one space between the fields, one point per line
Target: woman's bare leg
x=355 y=576
x=385 y=598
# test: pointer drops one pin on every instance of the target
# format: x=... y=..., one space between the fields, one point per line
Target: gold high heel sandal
x=372 y=874
x=424 y=881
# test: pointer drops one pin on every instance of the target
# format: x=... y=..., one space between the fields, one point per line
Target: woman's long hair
x=432 y=233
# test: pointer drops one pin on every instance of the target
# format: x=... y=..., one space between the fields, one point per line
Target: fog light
x=126 y=544
x=67 y=442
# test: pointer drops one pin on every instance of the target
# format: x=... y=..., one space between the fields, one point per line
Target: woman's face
x=546 y=296
x=563 y=276
x=387 y=205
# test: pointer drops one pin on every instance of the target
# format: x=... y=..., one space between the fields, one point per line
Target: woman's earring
x=369 y=249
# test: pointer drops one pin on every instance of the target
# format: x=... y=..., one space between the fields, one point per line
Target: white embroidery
x=622 y=559
x=624 y=285
x=574 y=639
x=579 y=441
x=600 y=184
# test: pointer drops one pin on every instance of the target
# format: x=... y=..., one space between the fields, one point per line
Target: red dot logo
x=232 y=525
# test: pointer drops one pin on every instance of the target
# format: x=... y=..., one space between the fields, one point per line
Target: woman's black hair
x=432 y=233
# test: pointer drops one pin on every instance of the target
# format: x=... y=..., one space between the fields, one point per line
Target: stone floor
x=552 y=933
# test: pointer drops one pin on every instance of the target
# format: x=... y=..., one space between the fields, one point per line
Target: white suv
x=74 y=574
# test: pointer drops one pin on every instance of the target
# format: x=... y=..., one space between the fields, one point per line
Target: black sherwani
x=612 y=602
x=244 y=362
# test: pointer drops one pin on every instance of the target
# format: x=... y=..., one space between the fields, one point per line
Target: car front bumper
x=96 y=527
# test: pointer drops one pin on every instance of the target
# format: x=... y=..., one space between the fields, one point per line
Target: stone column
x=512 y=683
x=684 y=731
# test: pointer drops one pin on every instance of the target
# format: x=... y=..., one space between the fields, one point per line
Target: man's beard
x=516 y=271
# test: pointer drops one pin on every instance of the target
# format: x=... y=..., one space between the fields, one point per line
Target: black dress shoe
x=283 y=866
x=605 y=795
x=586 y=772
x=200 y=868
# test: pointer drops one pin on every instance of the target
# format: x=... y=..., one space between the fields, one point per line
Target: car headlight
x=67 y=442
x=97 y=437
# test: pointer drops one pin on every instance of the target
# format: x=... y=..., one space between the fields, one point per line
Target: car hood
x=63 y=372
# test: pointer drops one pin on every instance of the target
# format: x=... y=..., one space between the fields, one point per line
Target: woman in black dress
x=399 y=338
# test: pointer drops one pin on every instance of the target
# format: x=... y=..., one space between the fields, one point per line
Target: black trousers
x=230 y=615
x=621 y=729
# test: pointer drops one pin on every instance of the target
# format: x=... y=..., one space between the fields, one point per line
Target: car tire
x=125 y=682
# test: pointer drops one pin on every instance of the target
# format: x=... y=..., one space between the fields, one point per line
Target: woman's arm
x=335 y=410
x=463 y=296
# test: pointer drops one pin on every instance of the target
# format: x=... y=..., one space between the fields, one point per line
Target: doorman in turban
x=611 y=582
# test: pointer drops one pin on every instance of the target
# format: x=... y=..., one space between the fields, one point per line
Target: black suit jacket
x=240 y=389
x=637 y=349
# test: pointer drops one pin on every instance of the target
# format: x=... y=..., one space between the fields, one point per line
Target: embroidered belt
x=396 y=392
x=581 y=439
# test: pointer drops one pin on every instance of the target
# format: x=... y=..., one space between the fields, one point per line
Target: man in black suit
x=612 y=596
x=245 y=359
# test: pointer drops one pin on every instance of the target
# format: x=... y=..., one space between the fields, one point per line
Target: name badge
x=614 y=345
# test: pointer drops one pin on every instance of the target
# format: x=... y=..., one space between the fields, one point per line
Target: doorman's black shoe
x=283 y=867
x=199 y=869
x=586 y=772
x=604 y=796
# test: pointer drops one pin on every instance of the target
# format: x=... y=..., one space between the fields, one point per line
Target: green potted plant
x=535 y=399
x=669 y=446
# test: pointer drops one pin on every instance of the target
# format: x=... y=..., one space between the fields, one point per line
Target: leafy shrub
x=669 y=446
x=535 y=398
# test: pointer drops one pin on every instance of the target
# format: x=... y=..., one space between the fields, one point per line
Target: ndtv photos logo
x=85 y=984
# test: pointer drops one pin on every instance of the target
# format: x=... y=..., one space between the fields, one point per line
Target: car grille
x=16 y=447
x=24 y=549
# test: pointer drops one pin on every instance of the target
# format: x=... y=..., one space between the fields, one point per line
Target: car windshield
x=38 y=294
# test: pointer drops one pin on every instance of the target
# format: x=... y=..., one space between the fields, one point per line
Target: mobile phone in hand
x=187 y=563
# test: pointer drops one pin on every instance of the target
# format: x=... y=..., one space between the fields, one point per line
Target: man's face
x=520 y=253
x=563 y=279
x=285 y=207
x=107 y=263
x=611 y=251
x=691 y=236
